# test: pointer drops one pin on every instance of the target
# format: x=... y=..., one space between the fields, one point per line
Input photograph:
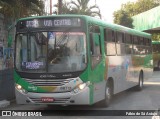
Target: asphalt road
x=147 y=99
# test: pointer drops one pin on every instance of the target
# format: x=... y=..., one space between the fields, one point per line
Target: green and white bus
x=156 y=54
x=77 y=60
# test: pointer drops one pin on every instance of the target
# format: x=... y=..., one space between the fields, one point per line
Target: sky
x=107 y=7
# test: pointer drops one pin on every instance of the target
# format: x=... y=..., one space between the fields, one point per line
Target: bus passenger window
x=148 y=42
x=135 y=40
x=128 y=43
x=141 y=47
x=149 y=48
x=110 y=47
x=141 y=40
x=135 y=45
x=109 y=35
x=120 y=46
x=120 y=37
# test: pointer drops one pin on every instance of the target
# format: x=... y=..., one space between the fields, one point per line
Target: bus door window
x=149 y=45
x=141 y=46
x=135 y=45
x=95 y=45
x=110 y=46
x=128 y=42
x=146 y=47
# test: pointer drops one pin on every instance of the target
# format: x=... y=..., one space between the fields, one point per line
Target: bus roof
x=98 y=22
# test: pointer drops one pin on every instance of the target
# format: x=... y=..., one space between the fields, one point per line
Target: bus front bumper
x=68 y=98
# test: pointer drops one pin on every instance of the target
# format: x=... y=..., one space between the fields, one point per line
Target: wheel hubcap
x=140 y=82
x=108 y=93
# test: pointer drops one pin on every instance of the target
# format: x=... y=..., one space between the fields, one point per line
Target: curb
x=4 y=103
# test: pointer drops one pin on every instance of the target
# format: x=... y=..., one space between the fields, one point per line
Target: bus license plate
x=47 y=99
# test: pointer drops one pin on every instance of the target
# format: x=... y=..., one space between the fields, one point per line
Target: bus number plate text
x=47 y=99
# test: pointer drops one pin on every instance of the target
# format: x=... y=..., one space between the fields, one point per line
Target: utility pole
x=50 y=7
x=59 y=6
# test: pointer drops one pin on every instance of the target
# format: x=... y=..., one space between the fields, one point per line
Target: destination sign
x=49 y=22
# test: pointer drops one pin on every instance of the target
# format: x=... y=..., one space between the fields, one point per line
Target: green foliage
x=66 y=9
x=80 y=7
x=133 y=8
x=122 y=18
x=156 y=36
x=21 y=8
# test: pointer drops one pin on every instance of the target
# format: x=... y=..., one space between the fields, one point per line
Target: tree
x=14 y=9
x=21 y=8
x=60 y=5
x=122 y=18
x=65 y=8
x=80 y=7
x=144 y=5
x=156 y=36
x=130 y=9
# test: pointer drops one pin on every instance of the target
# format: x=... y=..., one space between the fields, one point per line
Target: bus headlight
x=81 y=87
x=19 y=87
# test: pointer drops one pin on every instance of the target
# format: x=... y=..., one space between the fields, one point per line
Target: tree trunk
x=59 y=6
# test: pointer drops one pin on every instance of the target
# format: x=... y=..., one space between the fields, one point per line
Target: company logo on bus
x=67 y=75
x=47 y=76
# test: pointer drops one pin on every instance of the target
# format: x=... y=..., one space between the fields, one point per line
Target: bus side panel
x=122 y=72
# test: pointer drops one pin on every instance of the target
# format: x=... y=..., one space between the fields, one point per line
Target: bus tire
x=140 y=82
x=108 y=95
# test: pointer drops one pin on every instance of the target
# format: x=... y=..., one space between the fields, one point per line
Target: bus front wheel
x=108 y=95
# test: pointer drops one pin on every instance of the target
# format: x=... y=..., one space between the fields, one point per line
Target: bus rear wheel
x=140 y=83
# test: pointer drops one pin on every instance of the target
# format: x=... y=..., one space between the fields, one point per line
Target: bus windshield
x=52 y=52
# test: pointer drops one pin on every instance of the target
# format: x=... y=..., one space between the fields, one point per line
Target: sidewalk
x=4 y=103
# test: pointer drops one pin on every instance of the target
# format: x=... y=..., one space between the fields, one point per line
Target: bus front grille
x=48 y=82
